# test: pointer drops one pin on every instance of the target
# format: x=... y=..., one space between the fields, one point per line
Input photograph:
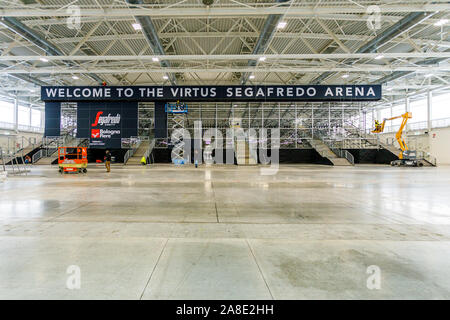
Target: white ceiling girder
x=396 y=55
x=289 y=69
x=183 y=11
x=280 y=35
x=334 y=17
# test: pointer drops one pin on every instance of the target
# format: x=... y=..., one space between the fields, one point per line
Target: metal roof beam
x=151 y=35
x=29 y=34
x=216 y=69
x=400 y=27
x=232 y=57
x=213 y=11
x=264 y=39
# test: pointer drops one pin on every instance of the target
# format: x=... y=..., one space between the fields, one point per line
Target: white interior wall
x=436 y=142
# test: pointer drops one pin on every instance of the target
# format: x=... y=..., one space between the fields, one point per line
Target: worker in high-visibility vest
x=377 y=125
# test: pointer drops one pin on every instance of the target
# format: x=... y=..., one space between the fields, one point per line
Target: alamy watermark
x=73 y=281
x=373 y=282
x=260 y=145
x=374 y=17
x=74 y=18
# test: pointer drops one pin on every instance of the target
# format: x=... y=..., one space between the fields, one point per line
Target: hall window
x=440 y=106
x=24 y=116
x=6 y=112
x=35 y=118
x=419 y=110
x=397 y=110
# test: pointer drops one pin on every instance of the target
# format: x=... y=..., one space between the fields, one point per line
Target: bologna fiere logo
x=95 y=133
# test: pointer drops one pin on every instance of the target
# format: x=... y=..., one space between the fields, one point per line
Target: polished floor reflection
x=227 y=232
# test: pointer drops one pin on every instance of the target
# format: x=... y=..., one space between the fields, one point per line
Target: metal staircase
x=10 y=164
x=337 y=158
x=374 y=141
x=25 y=146
x=48 y=154
x=426 y=159
x=144 y=149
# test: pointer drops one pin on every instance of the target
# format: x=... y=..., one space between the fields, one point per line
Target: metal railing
x=341 y=153
x=135 y=143
x=421 y=155
x=51 y=144
x=150 y=149
x=130 y=153
x=10 y=161
x=43 y=153
x=421 y=125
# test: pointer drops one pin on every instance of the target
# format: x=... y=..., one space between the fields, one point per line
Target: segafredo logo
x=108 y=120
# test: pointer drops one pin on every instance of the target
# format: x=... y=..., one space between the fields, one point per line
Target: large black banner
x=52 y=119
x=106 y=123
x=215 y=93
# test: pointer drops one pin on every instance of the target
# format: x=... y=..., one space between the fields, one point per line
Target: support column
x=407 y=109
x=279 y=116
x=329 y=119
x=296 y=126
x=42 y=113
x=429 y=109
x=30 y=109
x=16 y=114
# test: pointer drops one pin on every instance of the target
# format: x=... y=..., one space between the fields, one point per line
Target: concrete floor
x=160 y=232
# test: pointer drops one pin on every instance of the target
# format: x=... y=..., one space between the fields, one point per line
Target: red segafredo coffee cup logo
x=108 y=120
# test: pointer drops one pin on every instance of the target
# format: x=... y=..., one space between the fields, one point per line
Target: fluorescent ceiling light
x=281 y=25
x=155 y=59
x=379 y=57
x=137 y=26
x=262 y=58
x=75 y=77
x=251 y=77
x=345 y=76
x=43 y=59
x=165 y=77
x=428 y=75
x=441 y=22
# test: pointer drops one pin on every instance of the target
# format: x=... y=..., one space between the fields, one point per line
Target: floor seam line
x=215 y=202
x=259 y=268
x=69 y=211
x=217 y=213
x=154 y=268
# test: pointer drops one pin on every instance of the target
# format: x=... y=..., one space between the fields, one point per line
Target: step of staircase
x=340 y=162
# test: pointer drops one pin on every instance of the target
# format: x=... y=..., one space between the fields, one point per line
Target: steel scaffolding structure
x=340 y=125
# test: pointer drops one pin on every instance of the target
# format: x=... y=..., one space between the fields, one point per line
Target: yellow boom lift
x=406 y=157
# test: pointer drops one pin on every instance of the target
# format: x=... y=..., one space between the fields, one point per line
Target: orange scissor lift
x=72 y=159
